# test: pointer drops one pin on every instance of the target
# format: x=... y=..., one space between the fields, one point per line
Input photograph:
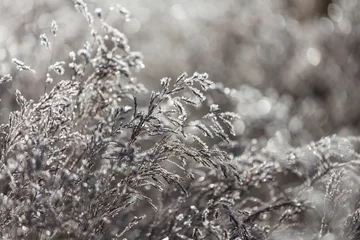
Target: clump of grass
x=88 y=160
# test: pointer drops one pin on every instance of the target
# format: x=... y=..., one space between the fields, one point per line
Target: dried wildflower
x=6 y=78
x=80 y=6
x=54 y=27
x=19 y=98
x=58 y=67
x=21 y=66
x=45 y=41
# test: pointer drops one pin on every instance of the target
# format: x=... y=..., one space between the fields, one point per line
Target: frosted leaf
x=217 y=128
x=222 y=135
x=179 y=107
x=54 y=27
x=197 y=93
x=229 y=125
x=165 y=82
x=45 y=41
x=190 y=101
x=204 y=129
x=201 y=142
x=20 y=98
x=195 y=75
x=182 y=77
x=206 y=84
x=332 y=187
x=230 y=115
x=175 y=121
x=58 y=67
x=20 y=65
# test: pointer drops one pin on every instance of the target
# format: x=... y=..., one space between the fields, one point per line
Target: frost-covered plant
x=97 y=157
x=77 y=162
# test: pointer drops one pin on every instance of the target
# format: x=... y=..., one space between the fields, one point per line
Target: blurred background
x=290 y=67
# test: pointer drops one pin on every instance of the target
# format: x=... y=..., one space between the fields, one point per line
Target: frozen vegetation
x=94 y=145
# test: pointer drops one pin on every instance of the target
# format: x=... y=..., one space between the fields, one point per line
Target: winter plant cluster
x=91 y=159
